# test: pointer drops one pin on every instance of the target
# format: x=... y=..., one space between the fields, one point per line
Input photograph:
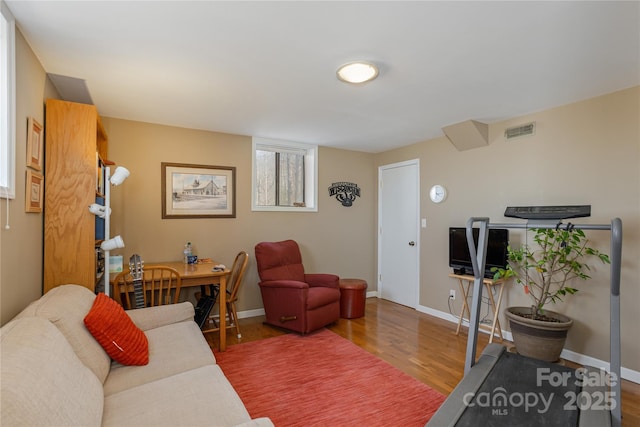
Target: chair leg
x=233 y=318
x=212 y=319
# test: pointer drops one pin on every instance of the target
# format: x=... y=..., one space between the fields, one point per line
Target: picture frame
x=198 y=191
x=35 y=144
x=34 y=192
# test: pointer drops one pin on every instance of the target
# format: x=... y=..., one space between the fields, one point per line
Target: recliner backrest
x=279 y=261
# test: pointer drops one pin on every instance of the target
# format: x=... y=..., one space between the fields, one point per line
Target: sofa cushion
x=66 y=306
x=174 y=348
x=161 y=315
x=43 y=380
x=200 y=397
x=116 y=332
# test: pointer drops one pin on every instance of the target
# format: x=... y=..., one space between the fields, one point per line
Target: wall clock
x=438 y=193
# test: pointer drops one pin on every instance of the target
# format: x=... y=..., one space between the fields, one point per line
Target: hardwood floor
x=420 y=345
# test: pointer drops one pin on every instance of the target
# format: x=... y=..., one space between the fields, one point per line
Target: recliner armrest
x=291 y=284
x=323 y=279
x=154 y=317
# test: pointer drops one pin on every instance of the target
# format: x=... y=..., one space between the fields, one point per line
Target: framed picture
x=34 y=190
x=198 y=191
x=35 y=146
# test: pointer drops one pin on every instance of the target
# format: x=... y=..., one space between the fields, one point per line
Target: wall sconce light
x=99 y=210
x=111 y=244
x=121 y=173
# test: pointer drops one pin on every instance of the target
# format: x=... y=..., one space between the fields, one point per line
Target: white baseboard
x=627 y=374
x=251 y=313
x=246 y=313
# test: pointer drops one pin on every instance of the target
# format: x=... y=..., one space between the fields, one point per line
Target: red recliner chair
x=292 y=299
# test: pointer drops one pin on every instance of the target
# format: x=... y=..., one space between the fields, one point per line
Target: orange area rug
x=322 y=379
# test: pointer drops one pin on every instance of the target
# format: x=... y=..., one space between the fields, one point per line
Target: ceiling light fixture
x=357 y=72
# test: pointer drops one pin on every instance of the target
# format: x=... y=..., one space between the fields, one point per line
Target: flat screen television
x=459 y=258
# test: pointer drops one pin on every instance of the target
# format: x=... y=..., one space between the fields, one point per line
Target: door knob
x=412 y=243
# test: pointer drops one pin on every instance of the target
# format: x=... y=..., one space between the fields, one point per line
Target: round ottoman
x=353 y=293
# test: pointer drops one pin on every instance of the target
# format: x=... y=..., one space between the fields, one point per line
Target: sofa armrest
x=290 y=284
x=154 y=317
x=325 y=280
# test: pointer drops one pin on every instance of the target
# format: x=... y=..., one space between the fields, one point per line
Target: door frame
x=416 y=163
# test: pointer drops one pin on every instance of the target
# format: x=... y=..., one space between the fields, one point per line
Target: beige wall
x=21 y=244
x=335 y=239
x=583 y=153
x=586 y=152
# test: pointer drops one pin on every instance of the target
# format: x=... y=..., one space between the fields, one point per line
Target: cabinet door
x=70 y=187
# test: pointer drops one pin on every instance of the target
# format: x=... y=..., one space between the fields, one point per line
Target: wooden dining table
x=201 y=274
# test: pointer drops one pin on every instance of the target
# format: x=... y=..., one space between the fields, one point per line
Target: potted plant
x=545 y=272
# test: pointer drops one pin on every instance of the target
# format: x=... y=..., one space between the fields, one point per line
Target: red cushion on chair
x=123 y=341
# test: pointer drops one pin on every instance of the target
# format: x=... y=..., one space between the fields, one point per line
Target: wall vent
x=522 y=130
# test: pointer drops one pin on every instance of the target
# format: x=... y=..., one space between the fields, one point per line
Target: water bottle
x=187 y=252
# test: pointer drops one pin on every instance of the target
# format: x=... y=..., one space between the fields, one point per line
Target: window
x=7 y=103
x=285 y=176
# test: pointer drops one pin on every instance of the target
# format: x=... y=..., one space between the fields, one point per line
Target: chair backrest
x=279 y=261
x=237 y=274
x=160 y=286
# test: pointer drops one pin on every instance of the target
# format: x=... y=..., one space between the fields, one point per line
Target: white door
x=398 y=232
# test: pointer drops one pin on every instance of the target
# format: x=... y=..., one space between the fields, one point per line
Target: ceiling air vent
x=518 y=131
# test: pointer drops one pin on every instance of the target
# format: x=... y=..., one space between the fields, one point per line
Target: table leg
x=465 y=306
x=222 y=301
x=496 y=310
x=496 y=320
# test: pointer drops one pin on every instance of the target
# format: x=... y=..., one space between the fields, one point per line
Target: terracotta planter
x=535 y=338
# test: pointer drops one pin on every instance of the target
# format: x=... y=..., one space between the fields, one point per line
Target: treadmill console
x=548 y=212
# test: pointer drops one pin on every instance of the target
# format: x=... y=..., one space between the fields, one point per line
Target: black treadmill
x=507 y=389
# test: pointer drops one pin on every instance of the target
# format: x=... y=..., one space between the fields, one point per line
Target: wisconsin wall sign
x=345 y=192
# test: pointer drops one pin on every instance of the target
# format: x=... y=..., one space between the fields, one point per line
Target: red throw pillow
x=123 y=341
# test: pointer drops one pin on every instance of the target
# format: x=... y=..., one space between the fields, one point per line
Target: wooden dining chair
x=147 y=287
x=233 y=285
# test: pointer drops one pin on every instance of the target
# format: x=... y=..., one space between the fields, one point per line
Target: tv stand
x=465 y=272
x=465 y=282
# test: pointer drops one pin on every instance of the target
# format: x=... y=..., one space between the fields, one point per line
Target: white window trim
x=8 y=108
x=311 y=173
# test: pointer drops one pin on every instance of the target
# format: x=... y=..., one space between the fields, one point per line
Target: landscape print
x=200 y=192
x=196 y=191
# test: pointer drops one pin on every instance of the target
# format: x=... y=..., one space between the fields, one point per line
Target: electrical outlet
x=452 y=294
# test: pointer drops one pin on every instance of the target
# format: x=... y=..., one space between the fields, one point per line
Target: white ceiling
x=268 y=68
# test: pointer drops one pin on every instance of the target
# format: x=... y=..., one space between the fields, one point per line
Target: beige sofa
x=53 y=372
